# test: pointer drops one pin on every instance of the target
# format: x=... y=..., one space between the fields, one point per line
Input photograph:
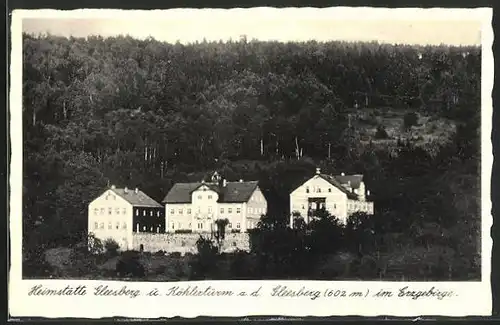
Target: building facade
x=119 y=212
x=340 y=195
x=195 y=207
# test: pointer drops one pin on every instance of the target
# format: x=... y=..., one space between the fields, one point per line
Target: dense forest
x=100 y=111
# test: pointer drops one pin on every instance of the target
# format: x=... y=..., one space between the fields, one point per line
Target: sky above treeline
x=197 y=25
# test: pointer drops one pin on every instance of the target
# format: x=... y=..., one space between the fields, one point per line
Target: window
x=110 y=226
x=173 y=225
x=230 y=225
x=238 y=210
x=102 y=210
x=179 y=226
x=307 y=189
x=200 y=225
x=238 y=225
x=189 y=211
x=318 y=190
x=303 y=207
x=209 y=209
x=210 y=197
x=172 y=211
x=150 y=213
x=190 y=225
x=137 y=212
x=229 y=210
x=96 y=211
x=180 y=211
x=250 y=210
x=199 y=197
x=110 y=211
x=124 y=211
x=158 y=213
x=117 y=210
x=117 y=225
x=330 y=190
x=96 y=225
x=221 y=210
x=143 y=228
x=124 y=226
x=143 y=212
x=101 y=225
x=334 y=206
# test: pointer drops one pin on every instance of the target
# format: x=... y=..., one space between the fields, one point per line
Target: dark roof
x=136 y=199
x=233 y=192
x=338 y=184
x=354 y=179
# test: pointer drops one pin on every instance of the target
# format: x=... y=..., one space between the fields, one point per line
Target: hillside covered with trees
x=147 y=114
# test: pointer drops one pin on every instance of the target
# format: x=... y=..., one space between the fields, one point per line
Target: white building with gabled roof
x=195 y=207
x=119 y=212
x=340 y=195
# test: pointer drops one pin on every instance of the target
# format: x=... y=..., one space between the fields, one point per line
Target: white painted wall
x=110 y=216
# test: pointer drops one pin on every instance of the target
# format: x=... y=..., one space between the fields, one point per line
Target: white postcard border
x=469 y=298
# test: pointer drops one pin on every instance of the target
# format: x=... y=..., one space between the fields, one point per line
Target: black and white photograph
x=251 y=146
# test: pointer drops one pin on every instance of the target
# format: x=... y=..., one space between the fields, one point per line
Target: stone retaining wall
x=185 y=243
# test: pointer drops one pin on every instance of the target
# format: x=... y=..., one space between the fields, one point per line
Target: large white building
x=196 y=206
x=340 y=195
x=119 y=212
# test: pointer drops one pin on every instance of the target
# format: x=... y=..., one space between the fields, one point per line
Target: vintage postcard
x=250 y=162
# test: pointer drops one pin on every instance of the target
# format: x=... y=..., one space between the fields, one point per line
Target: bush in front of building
x=183 y=231
x=129 y=264
x=111 y=247
x=204 y=264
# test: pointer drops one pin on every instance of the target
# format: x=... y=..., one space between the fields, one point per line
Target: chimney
x=136 y=190
x=318 y=171
x=113 y=187
x=224 y=182
x=241 y=180
x=125 y=190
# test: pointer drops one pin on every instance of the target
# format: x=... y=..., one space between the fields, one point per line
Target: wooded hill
x=101 y=111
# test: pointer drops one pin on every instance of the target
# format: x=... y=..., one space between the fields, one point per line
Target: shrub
x=111 y=247
x=175 y=254
x=129 y=264
x=95 y=245
x=410 y=119
x=205 y=262
x=159 y=253
x=235 y=231
x=381 y=133
x=183 y=231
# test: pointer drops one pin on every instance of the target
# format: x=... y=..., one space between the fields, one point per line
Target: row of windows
x=188 y=210
x=102 y=211
x=110 y=225
x=357 y=206
x=321 y=206
x=118 y=211
x=200 y=197
x=200 y=225
x=317 y=189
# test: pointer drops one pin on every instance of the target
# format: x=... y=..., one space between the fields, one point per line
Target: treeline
x=101 y=111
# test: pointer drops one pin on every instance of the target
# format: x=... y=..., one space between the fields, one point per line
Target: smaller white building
x=340 y=195
x=119 y=212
